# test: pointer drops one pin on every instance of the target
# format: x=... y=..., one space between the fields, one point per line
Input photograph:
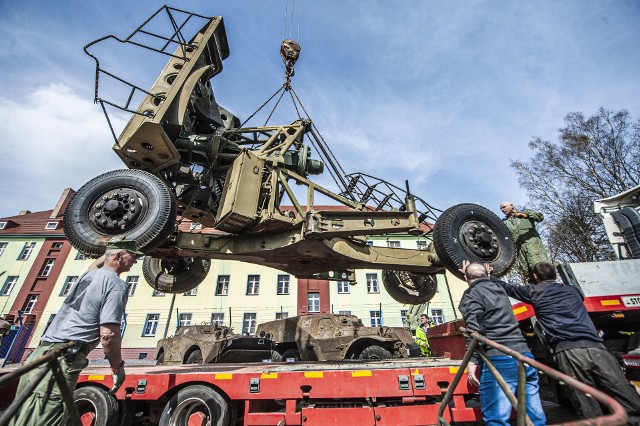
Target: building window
x=313 y=304
x=195 y=226
x=132 y=283
x=184 y=320
x=9 y=283
x=403 y=317
x=51 y=225
x=151 y=325
x=30 y=304
x=422 y=244
x=81 y=256
x=372 y=283
x=69 y=282
x=217 y=318
x=437 y=316
x=56 y=245
x=3 y=247
x=344 y=312
x=253 y=284
x=26 y=251
x=393 y=244
x=343 y=287
x=376 y=318
x=249 y=324
x=283 y=284
x=192 y=292
x=3 y=225
x=282 y=315
x=142 y=355
x=48 y=266
x=157 y=293
x=222 y=288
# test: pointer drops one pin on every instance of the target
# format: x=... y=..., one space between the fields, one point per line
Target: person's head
x=121 y=255
x=543 y=271
x=424 y=319
x=474 y=271
x=507 y=208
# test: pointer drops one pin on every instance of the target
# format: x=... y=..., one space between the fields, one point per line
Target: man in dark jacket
x=487 y=310
x=577 y=346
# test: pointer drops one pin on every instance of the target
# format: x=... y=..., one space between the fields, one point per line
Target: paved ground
x=555 y=413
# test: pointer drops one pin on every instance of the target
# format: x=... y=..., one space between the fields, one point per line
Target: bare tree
x=595 y=157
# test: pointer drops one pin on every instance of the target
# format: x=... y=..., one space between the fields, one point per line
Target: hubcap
x=480 y=240
x=117 y=210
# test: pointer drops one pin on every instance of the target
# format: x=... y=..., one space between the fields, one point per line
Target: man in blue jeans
x=487 y=310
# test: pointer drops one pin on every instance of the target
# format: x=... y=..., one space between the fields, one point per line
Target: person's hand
x=118 y=376
x=465 y=263
x=488 y=268
x=471 y=374
x=520 y=215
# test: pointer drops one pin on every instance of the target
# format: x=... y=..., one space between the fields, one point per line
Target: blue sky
x=444 y=94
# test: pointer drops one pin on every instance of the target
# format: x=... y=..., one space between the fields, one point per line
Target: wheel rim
x=118 y=210
x=191 y=412
x=480 y=240
x=87 y=411
x=176 y=267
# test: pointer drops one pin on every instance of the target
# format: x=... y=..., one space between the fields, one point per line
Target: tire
x=96 y=407
x=375 y=353
x=409 y=288
x=276 y=356
x=458 y=235
x=203 y=403
x=160 y=359
x=291 y=354
x=195 y=357
x=89 y=218
x=176 y=275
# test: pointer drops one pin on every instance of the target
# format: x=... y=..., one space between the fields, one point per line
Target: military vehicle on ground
x=190 y=160
x=204 y=344
x=330 y=337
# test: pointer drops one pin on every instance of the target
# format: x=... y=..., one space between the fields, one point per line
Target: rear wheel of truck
x=196 y=404
x=96 y=407
x=408 y=287
x=471 y=232
x=132 y=204
x=175 y=275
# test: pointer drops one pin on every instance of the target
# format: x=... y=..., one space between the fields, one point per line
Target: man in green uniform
x=529 y=247
x=421 y=334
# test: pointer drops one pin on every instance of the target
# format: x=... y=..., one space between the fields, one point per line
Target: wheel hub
x=117 y=210
x=480 y=239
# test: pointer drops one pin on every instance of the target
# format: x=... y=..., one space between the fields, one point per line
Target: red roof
x=32 y=224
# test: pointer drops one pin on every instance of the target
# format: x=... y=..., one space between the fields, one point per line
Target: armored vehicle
x=203 y=344
x=329 y=337
x=190 y=160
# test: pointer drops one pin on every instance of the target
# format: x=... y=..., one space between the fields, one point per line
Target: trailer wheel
x=176 y=275
x=130 y=203
x=410 y=288
x=195 y=357
x=291 y=354
x=471 y=232
x=95 y=407
x=196 y=404
x=375 y=353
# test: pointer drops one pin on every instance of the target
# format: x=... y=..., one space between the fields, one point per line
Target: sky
x=442 y=93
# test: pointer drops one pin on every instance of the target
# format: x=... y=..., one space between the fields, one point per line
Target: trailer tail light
x=631 y=361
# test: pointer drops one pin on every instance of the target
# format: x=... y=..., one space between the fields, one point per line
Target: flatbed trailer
x=356 y=393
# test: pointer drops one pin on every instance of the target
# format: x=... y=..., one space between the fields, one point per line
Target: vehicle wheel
x=471 y=232
x=160 y=359
x=410 y=288
x=130 y=203
x=176 y=275
x=374 y=353
x=291 y=354
x=196 y=404
x=95 y=407
x=276 y=356
x=195 y=357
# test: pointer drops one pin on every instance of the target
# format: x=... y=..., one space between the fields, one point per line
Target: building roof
x=32 y=224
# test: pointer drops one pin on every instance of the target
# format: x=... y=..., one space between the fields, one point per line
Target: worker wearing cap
x=421 y=334
x=522 y=226
x=91 y=314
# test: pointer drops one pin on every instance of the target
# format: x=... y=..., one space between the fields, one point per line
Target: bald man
x=522 y=226
x=487 y=310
